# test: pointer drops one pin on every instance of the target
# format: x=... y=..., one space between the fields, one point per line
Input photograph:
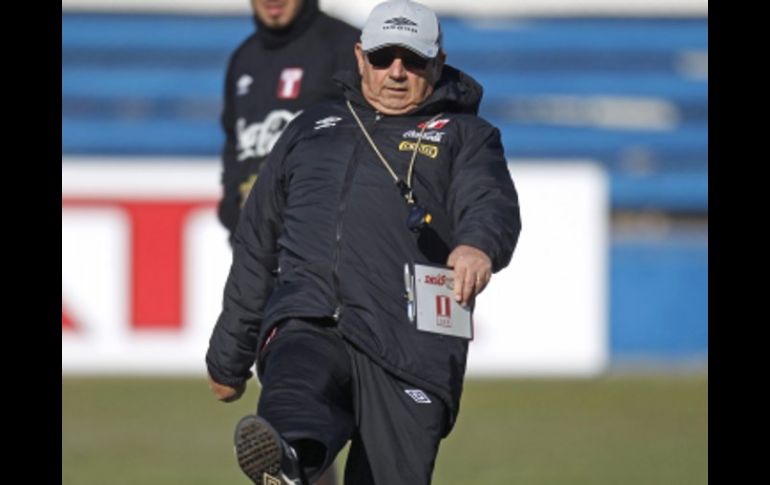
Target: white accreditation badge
x=431 y=304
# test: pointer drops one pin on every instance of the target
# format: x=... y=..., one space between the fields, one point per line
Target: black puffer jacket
x=323 y=234
x=271 y=77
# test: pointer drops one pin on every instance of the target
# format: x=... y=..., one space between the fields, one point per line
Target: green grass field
x=628 y=430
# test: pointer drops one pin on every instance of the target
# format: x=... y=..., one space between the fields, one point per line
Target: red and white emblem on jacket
x=434 y=125
x=289 y=83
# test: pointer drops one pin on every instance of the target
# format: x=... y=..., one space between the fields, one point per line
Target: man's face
x=395 y=80
x=276 y=14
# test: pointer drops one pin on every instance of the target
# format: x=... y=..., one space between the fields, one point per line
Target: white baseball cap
x=404 y=23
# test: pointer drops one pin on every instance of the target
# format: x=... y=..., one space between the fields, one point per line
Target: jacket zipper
x=346 y=185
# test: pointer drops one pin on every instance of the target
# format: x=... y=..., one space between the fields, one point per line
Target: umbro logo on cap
x=400 y=21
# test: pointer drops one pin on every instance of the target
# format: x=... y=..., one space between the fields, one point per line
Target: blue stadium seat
x=631 y=94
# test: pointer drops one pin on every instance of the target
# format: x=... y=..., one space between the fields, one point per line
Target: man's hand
x=472 y=271
x=226 y=393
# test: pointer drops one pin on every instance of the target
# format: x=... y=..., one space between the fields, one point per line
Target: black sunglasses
x=383 y=58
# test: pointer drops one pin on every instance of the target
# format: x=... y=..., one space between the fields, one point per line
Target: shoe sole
x=258 y=449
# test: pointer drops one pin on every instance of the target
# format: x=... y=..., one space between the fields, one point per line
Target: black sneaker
x=263 y=455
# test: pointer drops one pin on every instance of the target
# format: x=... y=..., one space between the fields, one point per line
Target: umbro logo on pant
x=418 y=396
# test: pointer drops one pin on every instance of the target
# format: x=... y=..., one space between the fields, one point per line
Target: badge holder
x=430 y=301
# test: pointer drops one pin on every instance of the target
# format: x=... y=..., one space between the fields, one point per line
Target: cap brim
x=399 y=44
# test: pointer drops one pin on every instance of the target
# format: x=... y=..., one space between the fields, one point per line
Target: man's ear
x=359 y=57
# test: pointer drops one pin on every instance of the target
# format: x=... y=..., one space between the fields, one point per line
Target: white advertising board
x=144 y=261
x=546 y=313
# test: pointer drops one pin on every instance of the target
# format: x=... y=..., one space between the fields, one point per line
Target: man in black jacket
x=402 y=171
x=286 y=65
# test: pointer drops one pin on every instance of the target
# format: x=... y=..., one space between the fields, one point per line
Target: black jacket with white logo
x=271 y=77
x=323 y=234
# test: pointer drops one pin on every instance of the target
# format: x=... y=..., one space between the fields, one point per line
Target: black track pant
x=319 y=391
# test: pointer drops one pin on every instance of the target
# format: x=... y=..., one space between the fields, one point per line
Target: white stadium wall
x=144 y=261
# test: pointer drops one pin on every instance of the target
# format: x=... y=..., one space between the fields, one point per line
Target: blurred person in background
x=315 y=293
x=286 y=65
x=283 y=67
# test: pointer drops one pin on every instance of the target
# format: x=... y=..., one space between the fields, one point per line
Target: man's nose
x=397 y=69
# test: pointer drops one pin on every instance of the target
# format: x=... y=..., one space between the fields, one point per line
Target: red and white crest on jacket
x=443 y=311
x=289 y=83
x=434 y=125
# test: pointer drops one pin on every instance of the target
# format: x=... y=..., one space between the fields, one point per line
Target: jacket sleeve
x=233 y=344
x=482 y=199
x=229 y=205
